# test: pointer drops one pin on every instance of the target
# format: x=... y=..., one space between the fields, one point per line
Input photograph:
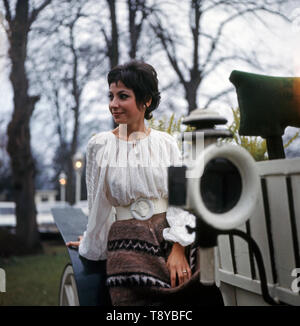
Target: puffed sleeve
x=177 y=217
x=101 y=213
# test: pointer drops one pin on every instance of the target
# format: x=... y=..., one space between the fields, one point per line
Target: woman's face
x=122 y=105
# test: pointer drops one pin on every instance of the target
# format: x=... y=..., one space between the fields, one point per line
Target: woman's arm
x=177 y=265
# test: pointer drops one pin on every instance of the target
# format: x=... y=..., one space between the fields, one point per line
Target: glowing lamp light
x=62 y=179
x=78 y=165
x=78 y=161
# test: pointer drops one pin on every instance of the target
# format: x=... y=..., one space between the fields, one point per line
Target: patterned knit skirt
x=137 y=273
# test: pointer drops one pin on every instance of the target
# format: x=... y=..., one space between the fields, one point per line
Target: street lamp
x=78 y=166
x=63 y=183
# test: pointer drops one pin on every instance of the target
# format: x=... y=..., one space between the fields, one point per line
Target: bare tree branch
x=7 y=11
x=217 y=37
x=135 y=28
x=218 y=96
x=236 y=57
x=192 y=72
x=35 y=12
x=196 y=13
x=165 y=39
x=113 y=42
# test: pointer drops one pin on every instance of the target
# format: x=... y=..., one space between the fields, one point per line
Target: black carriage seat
x=90 y=276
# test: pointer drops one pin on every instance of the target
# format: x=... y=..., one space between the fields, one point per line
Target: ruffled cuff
x=178 y=219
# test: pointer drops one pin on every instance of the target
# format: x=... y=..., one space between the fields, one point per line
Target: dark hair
x=142 y=79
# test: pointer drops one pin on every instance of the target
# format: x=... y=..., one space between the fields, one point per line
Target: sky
x=279 y=46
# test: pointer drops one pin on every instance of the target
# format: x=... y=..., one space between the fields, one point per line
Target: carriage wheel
x=68 y=295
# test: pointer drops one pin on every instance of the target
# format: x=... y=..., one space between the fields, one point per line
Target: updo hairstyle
x=142 y=79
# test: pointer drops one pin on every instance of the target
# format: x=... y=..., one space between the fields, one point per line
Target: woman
x=126 y=176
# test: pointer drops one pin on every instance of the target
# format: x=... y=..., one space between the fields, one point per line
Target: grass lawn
x=34 y=280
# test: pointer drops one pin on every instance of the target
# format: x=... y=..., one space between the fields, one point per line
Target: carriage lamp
x=218 y=184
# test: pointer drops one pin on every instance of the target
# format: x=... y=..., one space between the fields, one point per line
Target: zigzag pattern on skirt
x=139 y=279
x=134 y=244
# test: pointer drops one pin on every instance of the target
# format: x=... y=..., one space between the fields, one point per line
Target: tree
x=137 y=14
x=205 y=44
x=138 y=11
x=76 y=55
x=112 y=41
x=5 y=173
x=73 y=63
x=19 y=23
x=134 y=7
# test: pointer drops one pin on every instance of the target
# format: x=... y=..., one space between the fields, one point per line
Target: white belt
x=142 y=209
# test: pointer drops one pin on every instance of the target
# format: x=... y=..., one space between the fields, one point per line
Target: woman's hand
x=178 y=265
x=74 y=244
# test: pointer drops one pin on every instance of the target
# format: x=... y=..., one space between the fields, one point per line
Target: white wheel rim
x=68 y=289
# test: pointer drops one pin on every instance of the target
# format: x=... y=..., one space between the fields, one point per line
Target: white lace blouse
x=118 y=172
